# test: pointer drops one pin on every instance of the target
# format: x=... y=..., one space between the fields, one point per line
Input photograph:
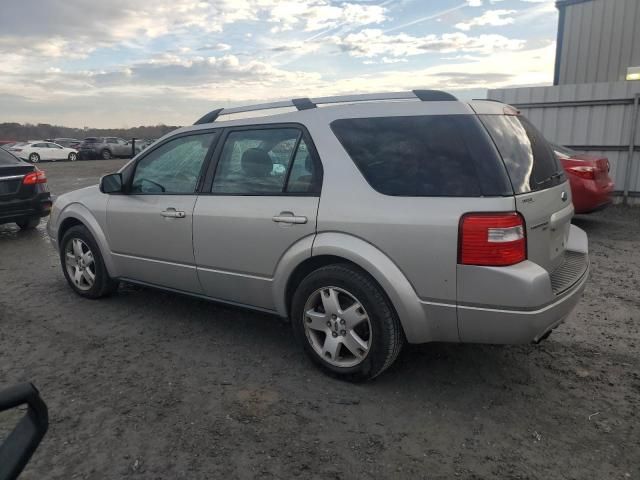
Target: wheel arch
x=77 y=214
x=331 y=247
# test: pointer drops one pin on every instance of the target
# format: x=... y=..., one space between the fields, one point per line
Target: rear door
x=262 y=198
x=543 y=196
x=43 y=150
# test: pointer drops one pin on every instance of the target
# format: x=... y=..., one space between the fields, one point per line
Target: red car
x=591 y=185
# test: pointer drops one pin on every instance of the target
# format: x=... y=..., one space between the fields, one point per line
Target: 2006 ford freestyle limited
x=368 y=220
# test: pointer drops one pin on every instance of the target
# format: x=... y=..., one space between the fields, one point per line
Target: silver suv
x=372 y=221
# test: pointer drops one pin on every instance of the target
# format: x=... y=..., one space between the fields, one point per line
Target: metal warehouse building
x=593 y=104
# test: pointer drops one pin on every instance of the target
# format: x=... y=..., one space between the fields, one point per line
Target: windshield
x=563 y=152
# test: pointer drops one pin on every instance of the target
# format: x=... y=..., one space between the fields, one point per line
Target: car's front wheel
x=83 y=265
x=73 y=156
x=346 y=323
x=105 y=154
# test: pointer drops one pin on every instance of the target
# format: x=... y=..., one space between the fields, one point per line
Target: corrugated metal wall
x=601 y=38
x=600 y=128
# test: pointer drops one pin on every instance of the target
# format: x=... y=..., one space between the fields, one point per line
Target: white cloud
x=176 y=91
x=492 y=18
x=374 y=42
x=314 y=15
x=141 y=80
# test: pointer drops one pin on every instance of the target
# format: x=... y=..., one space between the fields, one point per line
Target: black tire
x=28 y=223
x=386 y=334
x=72 y=157
x=34 y=158
x=106 y=154
x=103 y=284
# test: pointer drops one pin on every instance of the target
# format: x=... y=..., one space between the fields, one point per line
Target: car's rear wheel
x=73 y=156
x=346 y=323
x=28 y=223
x=83 y=265
x=34 y=158
x=105 y=154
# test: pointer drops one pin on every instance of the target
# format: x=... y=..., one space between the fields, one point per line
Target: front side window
x=259 y=162
x=173 y=168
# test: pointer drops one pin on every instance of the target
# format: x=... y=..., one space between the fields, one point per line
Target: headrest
x=256 y=163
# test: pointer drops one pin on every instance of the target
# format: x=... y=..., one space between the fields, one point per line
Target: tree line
x=27 y=131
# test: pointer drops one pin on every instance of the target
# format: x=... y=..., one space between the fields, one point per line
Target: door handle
x=289 y=217
x=173 y=213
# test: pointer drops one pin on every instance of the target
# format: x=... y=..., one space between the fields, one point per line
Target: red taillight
x=34 y=177
x=492 y=239
x=583 y=172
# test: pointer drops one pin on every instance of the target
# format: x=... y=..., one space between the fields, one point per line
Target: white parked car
x=40 y=150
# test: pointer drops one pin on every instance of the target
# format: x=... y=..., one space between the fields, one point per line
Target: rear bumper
x=14 y=210
x=521 y=303
x=506 y=326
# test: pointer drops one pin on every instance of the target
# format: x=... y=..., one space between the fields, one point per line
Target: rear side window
x=272 y=161
x=529 y=158
x=8 y=159
x=430 y=156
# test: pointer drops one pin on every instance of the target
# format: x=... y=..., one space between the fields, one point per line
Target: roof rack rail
x=311 y=103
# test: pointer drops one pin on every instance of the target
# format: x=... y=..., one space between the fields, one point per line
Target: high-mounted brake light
x=583 y=172
x=492 y=239
x=34 y=177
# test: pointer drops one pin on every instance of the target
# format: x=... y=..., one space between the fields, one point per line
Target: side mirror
x=22 y=442
x=111 y=183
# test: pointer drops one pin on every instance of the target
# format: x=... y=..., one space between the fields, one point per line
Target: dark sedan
x=24 y=196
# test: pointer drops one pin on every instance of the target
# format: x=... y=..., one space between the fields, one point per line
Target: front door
x=262 y=199
x=150 y=228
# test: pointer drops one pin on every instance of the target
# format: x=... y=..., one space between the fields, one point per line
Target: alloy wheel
x=80 y=264
x=337 y=327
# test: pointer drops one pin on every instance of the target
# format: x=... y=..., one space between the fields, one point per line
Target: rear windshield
x=563 y=152
x=8 y=159
x=430 y=156
x=529 y=158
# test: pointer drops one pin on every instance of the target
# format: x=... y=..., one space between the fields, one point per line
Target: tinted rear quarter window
x=529 y=158
x=431 y=155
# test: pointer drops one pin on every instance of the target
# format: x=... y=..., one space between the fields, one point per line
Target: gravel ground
x=155 y=385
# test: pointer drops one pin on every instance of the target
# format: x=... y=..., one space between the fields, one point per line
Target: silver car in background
x=376 y=220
